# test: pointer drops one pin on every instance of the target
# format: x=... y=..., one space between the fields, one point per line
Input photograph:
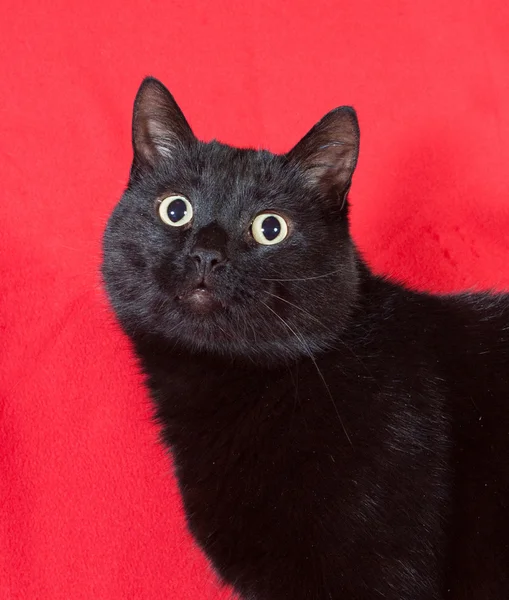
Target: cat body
x=334 y=435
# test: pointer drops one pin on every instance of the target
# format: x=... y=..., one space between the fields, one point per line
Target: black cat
x=335 y=436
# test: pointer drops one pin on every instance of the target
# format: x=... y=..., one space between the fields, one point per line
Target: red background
x=89 y=508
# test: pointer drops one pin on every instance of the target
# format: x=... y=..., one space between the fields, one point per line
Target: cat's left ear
x=159 y=128
x=328 y=152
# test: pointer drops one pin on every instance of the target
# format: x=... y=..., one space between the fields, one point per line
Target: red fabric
x=89 y=508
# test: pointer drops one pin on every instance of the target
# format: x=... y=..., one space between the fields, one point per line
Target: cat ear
x=159 y=127
x=328 y=152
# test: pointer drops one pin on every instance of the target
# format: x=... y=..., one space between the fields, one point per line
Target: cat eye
x=175 y=211
x=269 y=228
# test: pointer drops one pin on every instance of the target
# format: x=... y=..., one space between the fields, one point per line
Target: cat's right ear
x=159 y=128
x=328 y=153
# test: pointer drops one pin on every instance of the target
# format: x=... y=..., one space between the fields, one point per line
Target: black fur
x=335 y=436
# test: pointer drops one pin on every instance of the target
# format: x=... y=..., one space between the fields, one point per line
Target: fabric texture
x=89 y=505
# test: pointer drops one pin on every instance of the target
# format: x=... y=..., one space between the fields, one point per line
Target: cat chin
x=201 y=301
x=202 y=335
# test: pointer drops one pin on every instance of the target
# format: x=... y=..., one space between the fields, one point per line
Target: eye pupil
x=177 y=210
x=271 y=228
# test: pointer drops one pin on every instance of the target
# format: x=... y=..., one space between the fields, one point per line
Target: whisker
x=308 y=351
x=358 y=358
x=297 y=307
x=305 y=278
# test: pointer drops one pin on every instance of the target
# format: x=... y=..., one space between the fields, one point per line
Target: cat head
x=233 y=251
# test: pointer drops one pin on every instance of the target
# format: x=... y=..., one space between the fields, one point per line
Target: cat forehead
x=230 y=165
x=224 y=177
x=243 y=174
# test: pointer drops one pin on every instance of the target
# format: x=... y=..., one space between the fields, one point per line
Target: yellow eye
x=175 y=211
x=268 y=229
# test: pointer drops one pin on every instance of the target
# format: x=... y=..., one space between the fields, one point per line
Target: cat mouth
x=201 y=300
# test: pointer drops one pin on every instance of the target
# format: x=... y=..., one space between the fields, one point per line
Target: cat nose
x=209 y=249
x=207 y=259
